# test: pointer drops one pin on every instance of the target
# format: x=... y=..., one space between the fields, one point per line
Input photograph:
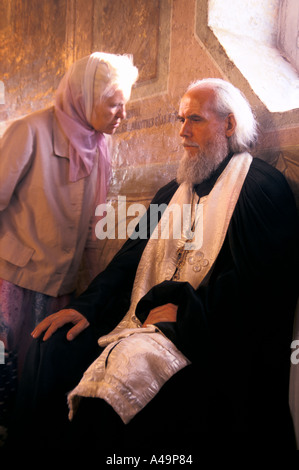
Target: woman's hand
x=164 y=313
x=51 y=323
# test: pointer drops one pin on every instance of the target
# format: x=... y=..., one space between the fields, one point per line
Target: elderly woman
x=54 y=169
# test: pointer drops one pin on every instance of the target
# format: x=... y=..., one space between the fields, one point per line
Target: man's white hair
x=230 y=99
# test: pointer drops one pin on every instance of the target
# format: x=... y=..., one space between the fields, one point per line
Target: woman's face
x=108 y=113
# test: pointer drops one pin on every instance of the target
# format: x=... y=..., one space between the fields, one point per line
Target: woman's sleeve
x=16 y=147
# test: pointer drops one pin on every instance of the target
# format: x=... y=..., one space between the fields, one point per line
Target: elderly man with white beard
x=178 y=347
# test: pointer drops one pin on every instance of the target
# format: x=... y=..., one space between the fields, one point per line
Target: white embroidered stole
x=212 y=215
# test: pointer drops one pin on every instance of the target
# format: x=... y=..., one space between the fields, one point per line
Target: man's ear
x=230 y=125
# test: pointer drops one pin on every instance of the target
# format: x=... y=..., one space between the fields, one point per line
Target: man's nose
x=186 y=129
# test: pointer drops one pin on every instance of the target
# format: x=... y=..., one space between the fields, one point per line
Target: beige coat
x=44 y=218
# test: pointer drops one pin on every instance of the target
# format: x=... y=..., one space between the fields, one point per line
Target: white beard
x=197 y=168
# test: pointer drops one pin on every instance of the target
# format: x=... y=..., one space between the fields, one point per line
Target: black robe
x=236 y=330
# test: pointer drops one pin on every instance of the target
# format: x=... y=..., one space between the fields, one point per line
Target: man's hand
x=57 y=320
x=164 y=313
